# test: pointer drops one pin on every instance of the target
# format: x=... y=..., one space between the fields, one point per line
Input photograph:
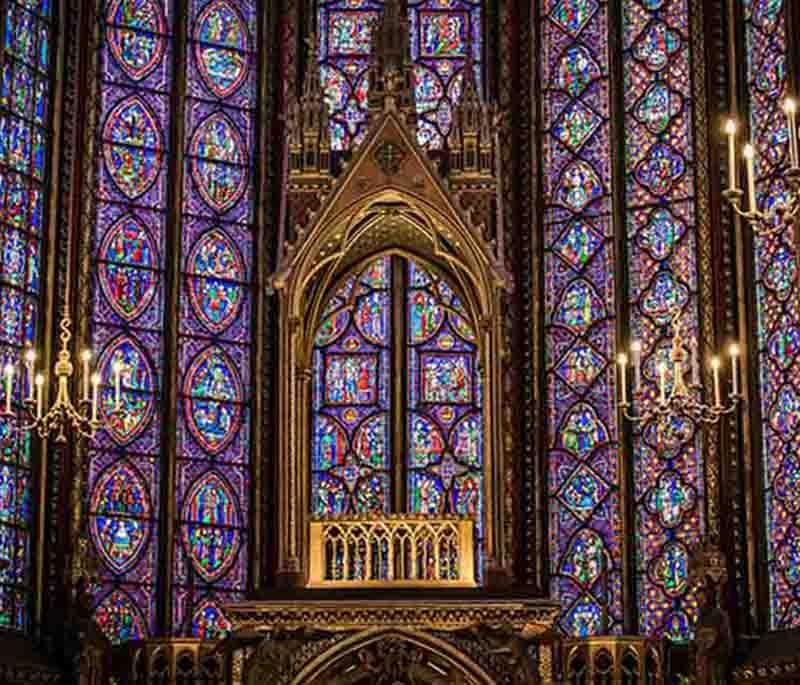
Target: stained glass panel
x=215 y=329
x=444 y=421
x=24 y=139
x=662 y=252
x=128 y=309
x=582 y=432
x=351 y=453
x=778 y=306
x=443 y=34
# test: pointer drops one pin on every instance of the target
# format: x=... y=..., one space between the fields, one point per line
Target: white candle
x=39 y=395
x=30 y=358
x=790 y=108
x=730 y=130
x=662 y=381
x=715 y=369
x=623 y=381
x=86 y=356
x=636 y=353
x=749 y=153
x=117 y=385
x=95 y=394
x=735 y=369
x=9 y=373
x=695 y=366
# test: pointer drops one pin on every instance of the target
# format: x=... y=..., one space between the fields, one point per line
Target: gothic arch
x=374 y=208
x=428 y=659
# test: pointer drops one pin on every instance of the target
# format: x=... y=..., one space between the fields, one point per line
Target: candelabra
x=81 y=416
x=676 y=396
x=782 y=212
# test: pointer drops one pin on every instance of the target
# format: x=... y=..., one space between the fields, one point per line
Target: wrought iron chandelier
x=676 y=395
x=780 y=212
x=65 y=413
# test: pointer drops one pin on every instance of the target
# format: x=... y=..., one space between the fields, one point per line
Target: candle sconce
x=676 y=395
x=782 y=212
x=81 y=416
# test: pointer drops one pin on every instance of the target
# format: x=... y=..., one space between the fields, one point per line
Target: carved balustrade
x=395 y=550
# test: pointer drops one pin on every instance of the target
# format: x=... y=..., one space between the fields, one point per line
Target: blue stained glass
x=350 y=438
x=24 y=155
x=778 y=302
x=441 y=37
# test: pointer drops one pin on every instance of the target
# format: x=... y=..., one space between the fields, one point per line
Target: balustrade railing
x=393 y=550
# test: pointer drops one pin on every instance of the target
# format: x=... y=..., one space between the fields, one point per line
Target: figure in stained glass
x=446 y=378
x=351 y=379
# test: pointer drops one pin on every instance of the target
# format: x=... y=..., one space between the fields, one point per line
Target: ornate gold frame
x=371 y=212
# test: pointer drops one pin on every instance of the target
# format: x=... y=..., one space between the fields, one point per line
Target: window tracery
x=396 y=310
x=444 y=34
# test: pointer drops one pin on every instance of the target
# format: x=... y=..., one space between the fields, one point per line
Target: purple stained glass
x=351 y=373
x=127 y=309
x=24 y=155
x=582 y=434
x=444 y=426
x=215 y=330
x=662 y=251
x=778 y=304
x=443 y=34
x=352 y=381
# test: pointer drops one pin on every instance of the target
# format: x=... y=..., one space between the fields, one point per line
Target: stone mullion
x=168 y=523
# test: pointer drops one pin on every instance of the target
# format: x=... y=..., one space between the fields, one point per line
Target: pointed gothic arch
x=430 y=660
x=388 y=200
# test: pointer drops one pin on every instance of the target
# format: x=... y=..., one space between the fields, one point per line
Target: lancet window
x=397 y=396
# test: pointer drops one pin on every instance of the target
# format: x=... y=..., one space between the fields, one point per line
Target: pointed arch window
x=443 y=33
x=397 y=396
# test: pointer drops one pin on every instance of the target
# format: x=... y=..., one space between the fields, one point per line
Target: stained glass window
x=24 y=124
x=444 y=419
x=133 y=259
x=778 y=307
x=215 y=332
x=662 y=259
x=443 y=33
x=355 y=453
x=128 y=308
x=583 y=480
x=351 y=468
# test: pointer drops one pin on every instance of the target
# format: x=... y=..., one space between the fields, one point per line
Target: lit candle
x=790 y=108
x=749 y=153
x=39 y=395
x=636 y=353
x=715 y=368
x=30 y=358
x=730 y=130
x=734 y=369
x=662 y=381
x=623 y=381
x=695 y=366
x=95 y=395
x=117 y=385
x=86 y=357
x=9 y=374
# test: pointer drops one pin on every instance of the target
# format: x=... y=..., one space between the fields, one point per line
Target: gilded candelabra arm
x=672 y=395
x=65 y=414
